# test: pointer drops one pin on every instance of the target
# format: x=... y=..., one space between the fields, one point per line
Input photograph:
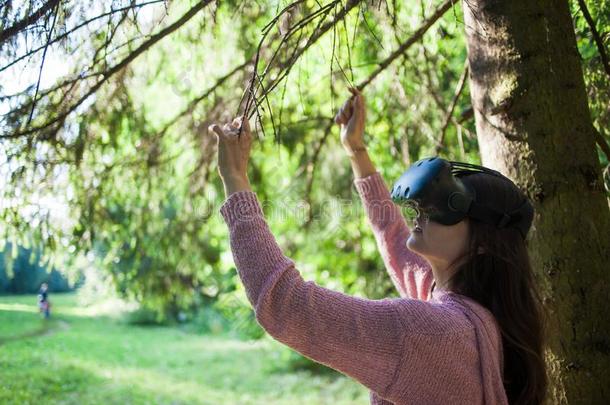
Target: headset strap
x=487 y=214
x=458 y=168
x=483 y=212
x=499 y=219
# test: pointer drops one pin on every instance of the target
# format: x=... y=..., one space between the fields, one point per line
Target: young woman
x=468 y=327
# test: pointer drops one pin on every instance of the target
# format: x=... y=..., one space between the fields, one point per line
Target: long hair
x=497 y=273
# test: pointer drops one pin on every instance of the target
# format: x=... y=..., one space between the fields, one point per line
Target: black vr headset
x=432 y=187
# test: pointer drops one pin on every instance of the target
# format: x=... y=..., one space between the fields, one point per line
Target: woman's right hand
x=352 y=117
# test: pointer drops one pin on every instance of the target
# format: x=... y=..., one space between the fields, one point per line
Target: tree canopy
x=106 y=158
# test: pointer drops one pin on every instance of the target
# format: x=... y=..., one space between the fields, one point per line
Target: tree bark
x=533 y=124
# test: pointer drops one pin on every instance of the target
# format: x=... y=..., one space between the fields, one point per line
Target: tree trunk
x=533 y=124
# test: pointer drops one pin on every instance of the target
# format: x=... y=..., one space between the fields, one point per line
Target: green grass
x=84 y=357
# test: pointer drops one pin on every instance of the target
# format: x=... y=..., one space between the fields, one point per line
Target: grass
x=83 y=357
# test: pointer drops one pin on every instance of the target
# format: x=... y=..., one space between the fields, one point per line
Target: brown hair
x=501 y=279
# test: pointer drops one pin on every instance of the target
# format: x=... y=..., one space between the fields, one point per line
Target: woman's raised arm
x=410 y=273
x=359 y=337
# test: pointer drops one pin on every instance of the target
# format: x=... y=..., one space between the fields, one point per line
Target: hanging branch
x=67 y=33
x=84 y=74
x=458 y=91
x=467 y=114
x=382 y=66
x=44 y=54
x=440 y=11
x=194 y=102
x=110 y=33
x=60 y=118
x=27 y=21
x=596 y=36
x=318 y=32
x=266 y=29
x=311 y=166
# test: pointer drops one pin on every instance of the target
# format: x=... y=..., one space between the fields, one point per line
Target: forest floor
x=80 y=357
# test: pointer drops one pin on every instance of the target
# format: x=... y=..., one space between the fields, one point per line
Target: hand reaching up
x=351 y=117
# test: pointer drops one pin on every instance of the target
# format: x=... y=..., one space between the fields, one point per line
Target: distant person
x=43 y=300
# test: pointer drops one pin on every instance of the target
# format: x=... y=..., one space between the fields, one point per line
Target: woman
x=467 y=328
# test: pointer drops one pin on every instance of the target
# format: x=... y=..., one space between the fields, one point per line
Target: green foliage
x=94 y=359
x=287 y=360
x=596 y=78
x=25 y=273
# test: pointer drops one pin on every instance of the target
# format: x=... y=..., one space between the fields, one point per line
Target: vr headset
x=432 y=188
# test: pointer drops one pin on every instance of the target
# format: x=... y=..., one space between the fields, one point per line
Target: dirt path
x=46 y=330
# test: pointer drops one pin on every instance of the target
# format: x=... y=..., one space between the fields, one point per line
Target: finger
x=245 y=122
x=237 y=122
x=362 y=98
x=346 y=107
x=347 y=115
x=360 y=103
x=216 y=129
x=349 y=101
x=349 y=109
x=359 y=99
x=340 y=117
x=230 y=133
x=241 y=121
x=227 y=129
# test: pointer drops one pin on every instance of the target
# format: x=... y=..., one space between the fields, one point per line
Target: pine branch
x=440 y=11
x=44 y=54
x=382 y=66
x=67 y=33
x=458 y=91
x=318 y=32
x=60 y=118
x=596 y=36
x=27 y=21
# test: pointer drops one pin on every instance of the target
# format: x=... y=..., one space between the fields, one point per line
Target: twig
x=440 y=11
x=119 y=66
x=596 y=36
x=31 y=19
x=601 y=141
x=44 y=55
x=318 y=32
x=312 y=168
x=75 y=28
x=193 y=103
x=368 y=27
x=458 y=91
x=387 y=62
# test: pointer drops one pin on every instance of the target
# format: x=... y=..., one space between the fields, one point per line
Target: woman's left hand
x=233 y=154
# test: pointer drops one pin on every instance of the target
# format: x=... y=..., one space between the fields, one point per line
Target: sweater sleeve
x=358 y=337
x=410 y=273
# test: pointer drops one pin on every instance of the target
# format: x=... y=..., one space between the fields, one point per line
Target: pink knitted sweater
x=417 y=349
